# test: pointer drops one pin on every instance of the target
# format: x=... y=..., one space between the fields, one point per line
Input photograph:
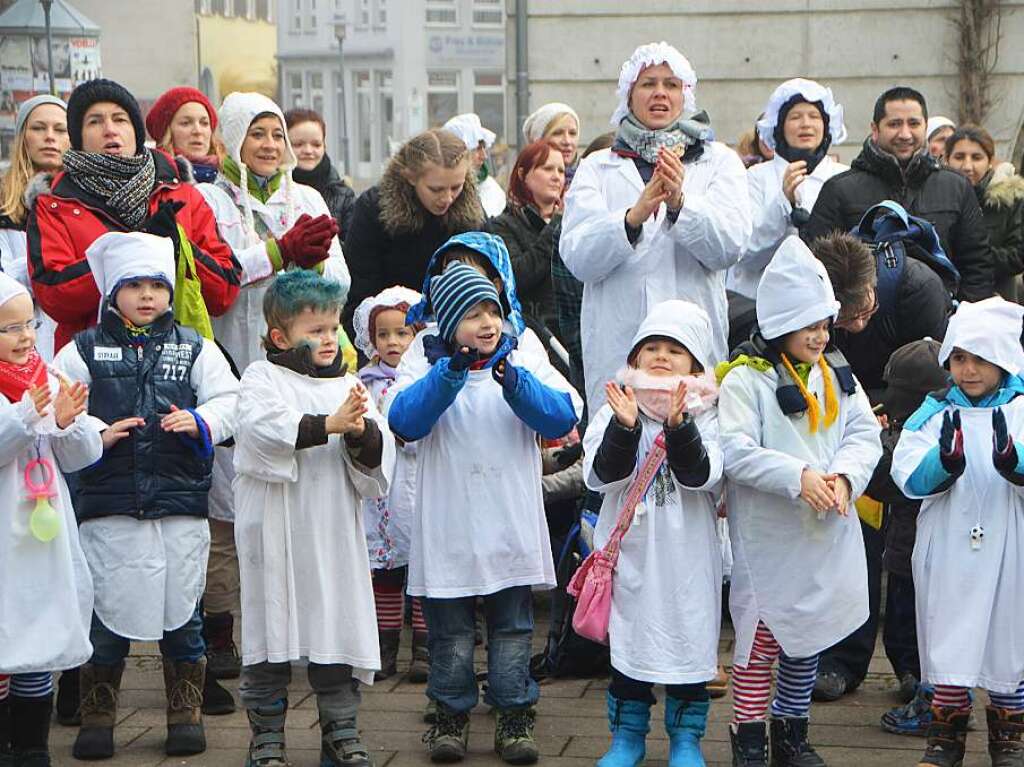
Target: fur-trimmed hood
x=41 y=183
x=402 y=213
x=1005 y=188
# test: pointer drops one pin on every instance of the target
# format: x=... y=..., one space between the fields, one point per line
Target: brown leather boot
x=183 y=682
x=1005 y=731
x=947 y=737
x=100 y=687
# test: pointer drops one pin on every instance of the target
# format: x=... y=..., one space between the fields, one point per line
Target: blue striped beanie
x=457 y=290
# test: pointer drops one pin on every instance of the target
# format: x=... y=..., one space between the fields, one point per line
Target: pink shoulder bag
x=592 y=583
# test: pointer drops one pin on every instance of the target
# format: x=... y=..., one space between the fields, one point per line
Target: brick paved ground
x=571 y=727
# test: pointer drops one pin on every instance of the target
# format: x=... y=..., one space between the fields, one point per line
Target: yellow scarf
x=813 y=408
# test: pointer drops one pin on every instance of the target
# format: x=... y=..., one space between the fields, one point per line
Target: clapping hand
x=671 y=171
x=180 y=422
x=622 y=401
x=70 y=403
x=348 y=419
x=951 y=444
x=41 y=397
x=677 y=406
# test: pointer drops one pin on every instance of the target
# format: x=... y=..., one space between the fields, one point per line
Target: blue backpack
x=894 y=236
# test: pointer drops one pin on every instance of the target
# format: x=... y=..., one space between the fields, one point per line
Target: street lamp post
x=47 y=4
x=339 y=33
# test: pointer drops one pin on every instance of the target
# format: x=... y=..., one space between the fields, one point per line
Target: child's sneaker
x=449 y=737
x=912 y=718
x=266 y=746
x=341 y=747
x=513 y=735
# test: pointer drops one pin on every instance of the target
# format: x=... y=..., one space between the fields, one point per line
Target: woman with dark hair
x=308 y=134
x=531 y=225
x=971 y=151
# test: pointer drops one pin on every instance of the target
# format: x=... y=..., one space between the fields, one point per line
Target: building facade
x=236 y=47
x=408 y=65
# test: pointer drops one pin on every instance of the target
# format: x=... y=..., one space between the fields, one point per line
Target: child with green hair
x=311 y=447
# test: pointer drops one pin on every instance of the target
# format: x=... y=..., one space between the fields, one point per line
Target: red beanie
x=165 y=107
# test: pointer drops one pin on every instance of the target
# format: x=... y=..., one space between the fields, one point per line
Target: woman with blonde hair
x=183 y=123
x=559 y=125
x=427 y=194
x=40 y=140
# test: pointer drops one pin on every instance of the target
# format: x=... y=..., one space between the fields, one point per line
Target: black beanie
x=95 y=91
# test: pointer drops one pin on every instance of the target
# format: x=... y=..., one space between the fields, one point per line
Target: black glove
x=568 y=455
x=164 y=222
x=1004 y=452
x=951 y=444
x=463 y=358
x=506 y=374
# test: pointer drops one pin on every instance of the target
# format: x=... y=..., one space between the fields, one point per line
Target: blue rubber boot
x=629 y=722
x=685 y=722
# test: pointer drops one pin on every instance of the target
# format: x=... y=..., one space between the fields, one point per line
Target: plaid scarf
x=679 y=136
x=123 y=183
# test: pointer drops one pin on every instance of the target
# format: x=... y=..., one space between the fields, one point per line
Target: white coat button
x=53 y=205
x=77 y=212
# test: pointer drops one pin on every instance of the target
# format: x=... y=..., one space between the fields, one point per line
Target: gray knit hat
x=26 y=107
x=457 y=290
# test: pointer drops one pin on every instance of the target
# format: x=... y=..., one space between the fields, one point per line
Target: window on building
x=312 y=16
x=489 y=100
x=263 y=10
x=229 y=8
x=363 y=14
x=442 y=13
x=217 y=7
x=488 y=13
x=385 y=111
x=442 y=97
x=364 y=116
x=296 y=96
x=382 y=14
x=296 y=15
x=203 y=7
x=315 y=81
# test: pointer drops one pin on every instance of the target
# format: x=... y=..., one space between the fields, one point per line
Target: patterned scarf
x=123 y=183
x=15 y=380
x=679 y=136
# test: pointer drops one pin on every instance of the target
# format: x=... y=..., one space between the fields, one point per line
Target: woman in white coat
x=798 y=437
x=666 y=597
x=478 y=140
x=662 y=214
x=801 y=122
x=958 y=453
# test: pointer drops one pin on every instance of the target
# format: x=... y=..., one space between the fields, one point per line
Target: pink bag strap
x=635 y=494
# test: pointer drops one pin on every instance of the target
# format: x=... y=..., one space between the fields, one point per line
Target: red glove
x=306 y=244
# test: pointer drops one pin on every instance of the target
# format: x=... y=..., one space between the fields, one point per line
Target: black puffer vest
x=150 y=474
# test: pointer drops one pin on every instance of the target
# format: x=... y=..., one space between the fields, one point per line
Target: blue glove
x=506 y=374
x=463 y=358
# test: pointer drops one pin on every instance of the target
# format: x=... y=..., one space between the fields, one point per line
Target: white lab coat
x=241 y=329
x=492 y=197
x=687 y=260
x=770 y=212
x=150 y=574
x=47 y=595
x=667 y=587
x=480 y=525
x=805 y=577
x=969 y=619
x=305 y=575
x=14 y=263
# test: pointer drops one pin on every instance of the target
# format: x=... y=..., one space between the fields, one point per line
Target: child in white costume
x=800 y=444
x=46 y=598
x=311 y=447
x=383 y=336
x=666 y=596
x=958 y=453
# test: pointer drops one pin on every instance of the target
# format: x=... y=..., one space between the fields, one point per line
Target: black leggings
x=627 y=688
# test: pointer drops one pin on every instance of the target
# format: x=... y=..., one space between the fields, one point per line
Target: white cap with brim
x=989 y=329
x=118 y=256
x=794 y=291
x=683 y=322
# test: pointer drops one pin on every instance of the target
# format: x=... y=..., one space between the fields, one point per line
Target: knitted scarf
x=678 y=136
x=15 y=380
x=317 y=177
x=123 y=183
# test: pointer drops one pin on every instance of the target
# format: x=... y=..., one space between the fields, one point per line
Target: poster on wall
x=61 y=64
x=15 y=77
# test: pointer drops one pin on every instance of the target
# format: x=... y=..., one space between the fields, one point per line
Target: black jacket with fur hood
x=392 y=236
x=1001 y=194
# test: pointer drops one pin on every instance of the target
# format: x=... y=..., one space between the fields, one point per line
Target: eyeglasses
x=20 y=328
x=865 y=315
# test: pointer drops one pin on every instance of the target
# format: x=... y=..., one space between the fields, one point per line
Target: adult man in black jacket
x=895 y=165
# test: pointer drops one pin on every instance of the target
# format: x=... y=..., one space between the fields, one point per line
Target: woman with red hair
x=531 y=225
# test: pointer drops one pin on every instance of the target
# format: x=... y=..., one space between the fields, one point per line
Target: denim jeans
x=509 y=631
x=185 y=643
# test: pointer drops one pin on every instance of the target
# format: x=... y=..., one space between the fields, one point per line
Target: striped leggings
x=752 y=684
x=948 y=696
x=389 y=599
x=35 y=685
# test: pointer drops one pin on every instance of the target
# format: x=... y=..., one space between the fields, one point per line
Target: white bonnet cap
x=649 y=55
x=811 y=92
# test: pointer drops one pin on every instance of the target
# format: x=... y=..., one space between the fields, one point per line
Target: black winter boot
x=789 y=744
x=217 y=699
x=5 y=733
x=749 y=742
x=1005 y=730
x=69 y=696
x=947 y=737
x=389 y=640
x=223 y=660
x=30 y=731
x=419 y=669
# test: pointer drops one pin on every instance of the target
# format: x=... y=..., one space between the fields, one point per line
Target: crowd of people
x=236 y=390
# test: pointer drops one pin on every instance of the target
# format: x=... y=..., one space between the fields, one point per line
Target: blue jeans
x=509 y=631
x=185 y=643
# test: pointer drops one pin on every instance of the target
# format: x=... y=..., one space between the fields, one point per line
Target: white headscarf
x=386 y=299
x=236 y=114
x=935 y=123
x=810 y=91
x=989 y=329
x=535 y=126
x=468 y=128
x=118 y=256
x=11 y=288
x=794 y=291
x=649 y=55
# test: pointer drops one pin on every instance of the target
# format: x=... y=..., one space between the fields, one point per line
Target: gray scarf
x=123 y=183
x=682 y=134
